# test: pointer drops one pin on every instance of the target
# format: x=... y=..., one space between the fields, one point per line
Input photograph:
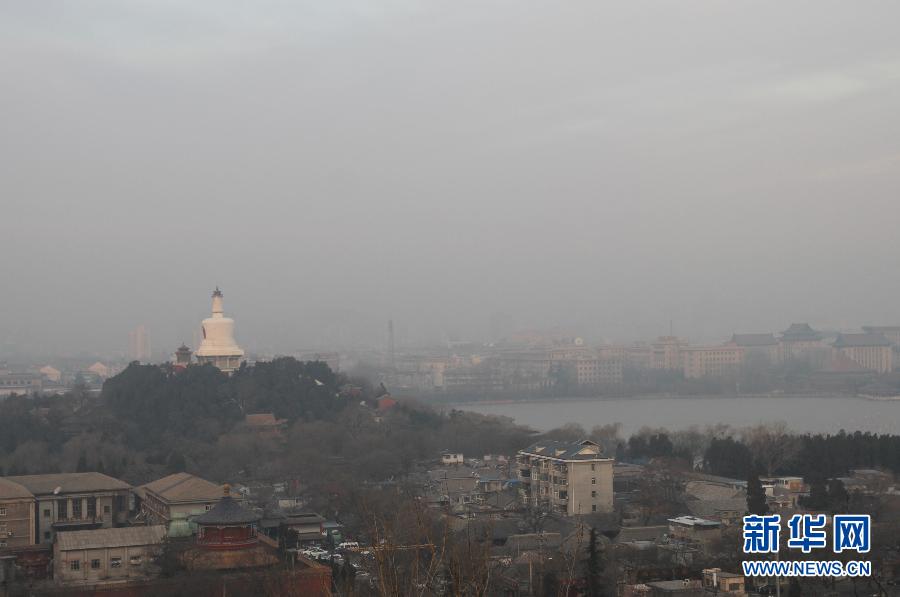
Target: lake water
x=813 y=414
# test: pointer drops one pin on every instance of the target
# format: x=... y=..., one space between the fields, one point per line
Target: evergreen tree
x=756 y=496
x=82 y=465
x=594 y=567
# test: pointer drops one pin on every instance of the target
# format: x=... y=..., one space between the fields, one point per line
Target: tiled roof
x=227 y=511
x=582 y=450
x=115 y=537
x=800 y=331
x=183 y=487
x=12 y=490
x=854 y=340
x=754 y=339
x=69 y=483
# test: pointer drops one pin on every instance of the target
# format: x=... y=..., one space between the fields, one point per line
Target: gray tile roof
x=183 y=487
x=754 y=339
x=115 y=537
x=227 y=511
x=69 y=483
x=860 y=340
x=566 y=450
x=799 y=332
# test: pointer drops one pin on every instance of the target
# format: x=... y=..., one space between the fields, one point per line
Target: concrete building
x=694 y=530
x=70 y=501
x=666 y=353
x=139 y=342
x=16 y=515
x=589 y=372
x=21 y=383
x=107 y=555
x=566 y=478
x=870 y=351
x=891 y=332
x=711 y=361
x=218 y=347
x=177 y=495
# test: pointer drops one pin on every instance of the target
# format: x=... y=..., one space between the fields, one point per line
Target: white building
x=218 y=347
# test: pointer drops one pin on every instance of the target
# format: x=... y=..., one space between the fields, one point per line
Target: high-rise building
x=139 y=344
x=218 y=347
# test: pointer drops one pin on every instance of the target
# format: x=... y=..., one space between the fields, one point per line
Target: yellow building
x=711 y=361
x=667 y=353
x=871 y=351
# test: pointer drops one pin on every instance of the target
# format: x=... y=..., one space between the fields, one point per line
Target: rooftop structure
x=181 y=494
x=227 y=525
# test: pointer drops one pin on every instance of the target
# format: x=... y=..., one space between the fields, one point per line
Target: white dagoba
x=218 y=346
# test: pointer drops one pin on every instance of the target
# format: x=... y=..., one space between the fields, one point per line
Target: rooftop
x=860 y=340
x=799 y=332
x=68 y=483
x=115 y=537
x=581 y=450
x=12 y=490
x=183 y=487
x=226 y=512
x=754 y=339
x=694 y=521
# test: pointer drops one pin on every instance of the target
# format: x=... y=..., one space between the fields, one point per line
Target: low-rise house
x=723 y=583
x=75 y=501
x=107 y=555
x=684 y=588
x=180 y=493
x=452 y=458
x=691 y=529
x=16 y=516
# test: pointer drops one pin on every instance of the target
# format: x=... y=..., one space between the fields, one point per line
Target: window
x=62 y=509
x=120 y=503
x=106 y=509
x=593 y=467
x=92 y=507
x=208 y=507
x=593 y=494
x=2 y=543
x=135 y=560
x=594 y=508
x=46 y=512
x=2 y=511
x=47 y=536
x=115 y=562
x=95 y=564
x=76 y=509
x=593 y=480
x=75 y=565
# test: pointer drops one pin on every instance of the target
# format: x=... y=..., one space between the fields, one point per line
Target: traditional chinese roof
x=754 y=339
x=227 y=512
x=860 y=340
x=800 y=332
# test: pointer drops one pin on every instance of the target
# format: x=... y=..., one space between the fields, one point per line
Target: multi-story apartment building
x=567 y=478
x=587 y=372
x=16 y=516
x=711 y=361
x=871 y=351
x=75 y=501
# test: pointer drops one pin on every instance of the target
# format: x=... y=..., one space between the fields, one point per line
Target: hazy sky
x=600 y=166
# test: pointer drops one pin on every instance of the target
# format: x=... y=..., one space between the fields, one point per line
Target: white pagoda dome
x=218 y=347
